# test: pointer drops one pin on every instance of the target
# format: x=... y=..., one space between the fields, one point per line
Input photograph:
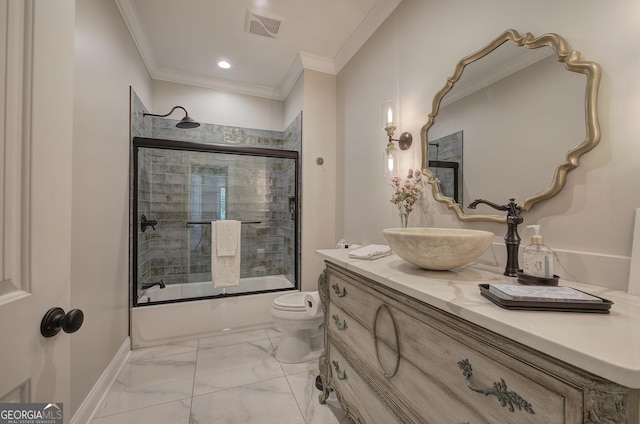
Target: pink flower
x=406 y=195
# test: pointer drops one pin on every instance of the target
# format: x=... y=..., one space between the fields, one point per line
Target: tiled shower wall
x=258 y=189
x=292 y=141
x=448 y=149
x=144 y=205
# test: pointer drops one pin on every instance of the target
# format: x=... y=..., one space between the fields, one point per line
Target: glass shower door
x=183 y=191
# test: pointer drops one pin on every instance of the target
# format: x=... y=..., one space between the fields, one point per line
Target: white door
x=36 y=123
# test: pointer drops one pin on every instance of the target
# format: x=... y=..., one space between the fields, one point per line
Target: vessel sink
x=438 y=248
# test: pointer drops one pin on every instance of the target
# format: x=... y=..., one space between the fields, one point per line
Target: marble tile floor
x=226 y=379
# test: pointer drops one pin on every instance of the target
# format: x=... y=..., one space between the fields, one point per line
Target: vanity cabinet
x=391 y=358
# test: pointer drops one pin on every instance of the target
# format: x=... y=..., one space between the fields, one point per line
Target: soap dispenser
x=538 y=258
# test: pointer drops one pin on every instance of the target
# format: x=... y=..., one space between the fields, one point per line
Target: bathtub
x=205 y=288
x=153 y=325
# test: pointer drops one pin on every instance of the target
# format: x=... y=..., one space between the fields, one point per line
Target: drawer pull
x=499 y=390
x=336 y=319
x=385 y=373
x=336 y=290
x=342 y=375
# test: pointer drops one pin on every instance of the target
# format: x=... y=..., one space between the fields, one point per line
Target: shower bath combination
x=184 y=176
x=180 y=187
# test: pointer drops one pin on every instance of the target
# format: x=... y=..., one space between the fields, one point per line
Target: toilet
x=302 y=335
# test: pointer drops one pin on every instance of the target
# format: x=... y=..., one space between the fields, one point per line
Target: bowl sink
x=438 y=248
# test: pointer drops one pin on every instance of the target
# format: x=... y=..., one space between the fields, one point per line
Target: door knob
x=55 y=320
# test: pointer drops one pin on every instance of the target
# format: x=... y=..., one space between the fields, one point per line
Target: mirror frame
x=572 y=62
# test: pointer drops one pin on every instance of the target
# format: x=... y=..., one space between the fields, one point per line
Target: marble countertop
x=607 y=345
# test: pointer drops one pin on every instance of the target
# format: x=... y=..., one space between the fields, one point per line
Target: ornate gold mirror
x=523 y=113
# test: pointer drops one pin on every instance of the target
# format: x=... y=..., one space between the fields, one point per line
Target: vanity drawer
x=351 y=333
x=421 y=398
x=357 y=398
x=497 y=386
x=361 y=305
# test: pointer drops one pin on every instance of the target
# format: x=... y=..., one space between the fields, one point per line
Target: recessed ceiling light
x=224 y=64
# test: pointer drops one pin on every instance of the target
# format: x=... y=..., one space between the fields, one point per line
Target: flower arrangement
x=406 y=194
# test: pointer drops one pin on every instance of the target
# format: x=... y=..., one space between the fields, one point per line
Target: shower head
x=186 y=123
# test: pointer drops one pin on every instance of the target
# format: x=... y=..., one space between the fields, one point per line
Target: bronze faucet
x=146 y=286
x=511 y=239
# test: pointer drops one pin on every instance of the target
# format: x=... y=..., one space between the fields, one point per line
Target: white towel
x=227 y=237
x=371 y=251
x=225 y=268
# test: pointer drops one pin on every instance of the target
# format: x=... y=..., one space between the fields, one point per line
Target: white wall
x=217 y=107
x=294 y=102
x=106 y=64
x=408 y=60
x=318 y=181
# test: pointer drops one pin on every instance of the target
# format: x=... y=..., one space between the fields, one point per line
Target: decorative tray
x=599 y=306
x=537 y=281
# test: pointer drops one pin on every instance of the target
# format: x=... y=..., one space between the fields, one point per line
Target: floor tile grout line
x=193 y=385
x=233 y=344
x=139 y=409
x=304 y=418
x=126 y=393
x=136 y=352
x=240 y=386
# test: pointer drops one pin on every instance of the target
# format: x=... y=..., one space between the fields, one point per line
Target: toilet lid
x=293 y=301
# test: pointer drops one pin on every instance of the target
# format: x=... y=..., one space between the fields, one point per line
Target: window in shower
x=184 y=186
x=207 y=203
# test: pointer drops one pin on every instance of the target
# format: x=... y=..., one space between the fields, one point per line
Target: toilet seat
x=293 y=302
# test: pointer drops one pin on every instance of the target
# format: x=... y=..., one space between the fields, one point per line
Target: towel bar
x=209 y=222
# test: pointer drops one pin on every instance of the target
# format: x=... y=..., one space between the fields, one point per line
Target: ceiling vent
x=263 y=24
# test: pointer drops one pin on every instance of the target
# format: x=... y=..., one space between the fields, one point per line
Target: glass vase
x=404 y=219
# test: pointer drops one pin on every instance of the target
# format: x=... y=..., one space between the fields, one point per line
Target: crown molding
x=376 y=16
x=296 y=69
x=317 y=63
x=131 y=19
x=188 y=78
x=365 y=30
x=301 y=62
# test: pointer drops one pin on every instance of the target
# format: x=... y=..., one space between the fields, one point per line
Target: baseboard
x=92 y=402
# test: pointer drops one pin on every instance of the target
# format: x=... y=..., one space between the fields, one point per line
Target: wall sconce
x=390 y=155
x=186 y=123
